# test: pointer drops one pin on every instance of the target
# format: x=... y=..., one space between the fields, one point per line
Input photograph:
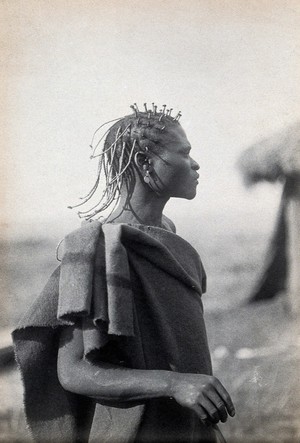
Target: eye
x=186 y=152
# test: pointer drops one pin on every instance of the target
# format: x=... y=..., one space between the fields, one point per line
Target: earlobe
x=147 y=177
x=144 y=165
x=142 y=161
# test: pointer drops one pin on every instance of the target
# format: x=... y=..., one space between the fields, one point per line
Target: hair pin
x=171 y=109
x=136 y=107
x=145 y=106
x=176 y=119
x=134 y=110
x=164 y=110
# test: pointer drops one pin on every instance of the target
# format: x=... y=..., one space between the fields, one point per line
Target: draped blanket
x=136 y=291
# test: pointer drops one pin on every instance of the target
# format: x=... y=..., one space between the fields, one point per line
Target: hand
x=205 y=395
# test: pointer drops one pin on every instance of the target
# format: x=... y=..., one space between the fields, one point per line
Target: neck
x=142 y=207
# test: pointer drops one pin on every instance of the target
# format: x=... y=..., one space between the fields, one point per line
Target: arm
x=110 y=383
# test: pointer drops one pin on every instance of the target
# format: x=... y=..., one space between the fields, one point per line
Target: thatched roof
x=273 y=158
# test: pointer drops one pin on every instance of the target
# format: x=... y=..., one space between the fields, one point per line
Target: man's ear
x=141 y=159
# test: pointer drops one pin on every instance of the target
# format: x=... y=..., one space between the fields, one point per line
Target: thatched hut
x=277 y=158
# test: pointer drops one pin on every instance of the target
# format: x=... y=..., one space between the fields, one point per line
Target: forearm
x=104 y=380
x=113 y=383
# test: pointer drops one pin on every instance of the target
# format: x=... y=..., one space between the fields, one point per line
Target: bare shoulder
x=168 y=223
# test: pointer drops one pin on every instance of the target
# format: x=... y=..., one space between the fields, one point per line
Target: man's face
x=174 y=171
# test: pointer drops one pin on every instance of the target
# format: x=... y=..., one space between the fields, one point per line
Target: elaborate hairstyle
x=140 y=131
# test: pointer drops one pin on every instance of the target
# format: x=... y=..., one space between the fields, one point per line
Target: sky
x=231 y=67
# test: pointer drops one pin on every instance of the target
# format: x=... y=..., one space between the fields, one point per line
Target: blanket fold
x=94 y=285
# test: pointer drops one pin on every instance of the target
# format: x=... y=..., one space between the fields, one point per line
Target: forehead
x=175 y=137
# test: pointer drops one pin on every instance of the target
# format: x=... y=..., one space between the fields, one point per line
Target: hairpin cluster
x=154 y=113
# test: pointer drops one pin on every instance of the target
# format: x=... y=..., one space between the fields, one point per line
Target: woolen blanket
x=136 y=291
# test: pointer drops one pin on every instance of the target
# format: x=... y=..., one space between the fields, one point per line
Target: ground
x=256 y=355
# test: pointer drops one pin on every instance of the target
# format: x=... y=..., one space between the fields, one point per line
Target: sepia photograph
x=150 y=221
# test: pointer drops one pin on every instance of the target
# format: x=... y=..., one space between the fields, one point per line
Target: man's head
x=148 y=146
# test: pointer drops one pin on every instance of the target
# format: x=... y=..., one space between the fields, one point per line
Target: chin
x=191 y=197
x=191 y=194
x=187 y=193
x=187 y=196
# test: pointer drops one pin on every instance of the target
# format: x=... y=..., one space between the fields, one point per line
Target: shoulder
x=80 y=240
x=86 y=230
x=168 y=223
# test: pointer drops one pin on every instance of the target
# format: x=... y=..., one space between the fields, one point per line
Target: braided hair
x=138 y=132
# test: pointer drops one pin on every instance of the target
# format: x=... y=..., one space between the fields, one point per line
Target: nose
x=195 y=166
